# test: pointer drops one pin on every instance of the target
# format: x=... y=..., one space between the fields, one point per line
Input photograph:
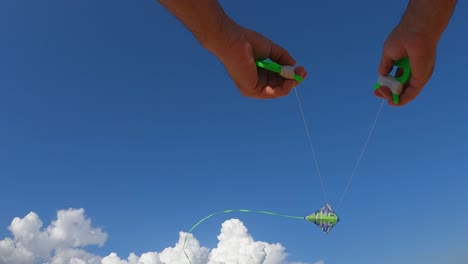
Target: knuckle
x=247 y=91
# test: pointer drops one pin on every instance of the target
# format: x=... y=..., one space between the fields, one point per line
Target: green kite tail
x=230 y=211
x=325 y=218
x=396 y=84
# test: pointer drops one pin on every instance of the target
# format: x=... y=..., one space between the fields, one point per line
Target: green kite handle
x=274 y=67
x=405 y=64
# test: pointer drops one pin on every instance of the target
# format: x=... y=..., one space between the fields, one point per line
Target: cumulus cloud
x=235 y=244
x=63 y=240
x=33 y=244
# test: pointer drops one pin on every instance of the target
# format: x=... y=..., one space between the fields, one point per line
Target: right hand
x=420 y=48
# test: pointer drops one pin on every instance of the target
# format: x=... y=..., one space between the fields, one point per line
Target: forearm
x=428 y=17
x=205 y=19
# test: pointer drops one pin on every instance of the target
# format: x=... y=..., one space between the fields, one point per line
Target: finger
x=271 y=93
x=279 y=91
x=409 y=94
x=245 y=78
x=422 y=67
x=383 y=92
x=276 y=86
x=243 y=71
x=378 y=94
x=301 y=71
x=280 y=55
x=386 y=64
x=283 y=87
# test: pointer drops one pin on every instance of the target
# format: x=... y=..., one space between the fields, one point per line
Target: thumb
x=281 y=55
x=386 y=64
x=385 y=67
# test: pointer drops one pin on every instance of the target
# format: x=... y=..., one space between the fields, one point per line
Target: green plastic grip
x=405 y=64
x=274 y=67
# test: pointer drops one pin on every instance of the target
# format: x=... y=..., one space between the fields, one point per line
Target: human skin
x=237 y=47
x=416 y=36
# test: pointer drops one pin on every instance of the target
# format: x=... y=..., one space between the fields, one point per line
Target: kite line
x=325 y=217
x=395 y=84
x=360 y=156
x=348 y=184
x=311 y=147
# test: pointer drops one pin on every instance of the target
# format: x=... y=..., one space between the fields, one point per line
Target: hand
x=245 y=46
x=420 y=48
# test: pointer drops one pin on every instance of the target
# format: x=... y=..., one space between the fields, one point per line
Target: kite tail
x=230 y=211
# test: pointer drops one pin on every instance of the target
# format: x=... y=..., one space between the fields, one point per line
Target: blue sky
x=112 y=106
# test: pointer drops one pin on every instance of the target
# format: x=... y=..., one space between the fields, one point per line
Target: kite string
x=359 y=158
x=311 y=146
x=230 y=211
x=361 y=154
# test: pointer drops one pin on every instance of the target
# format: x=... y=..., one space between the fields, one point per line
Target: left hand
x=238 y=53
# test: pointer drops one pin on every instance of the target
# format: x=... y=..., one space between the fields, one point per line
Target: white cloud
x=63 y=240
x=236 y=244
x=33 y=244
x=74 y=256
